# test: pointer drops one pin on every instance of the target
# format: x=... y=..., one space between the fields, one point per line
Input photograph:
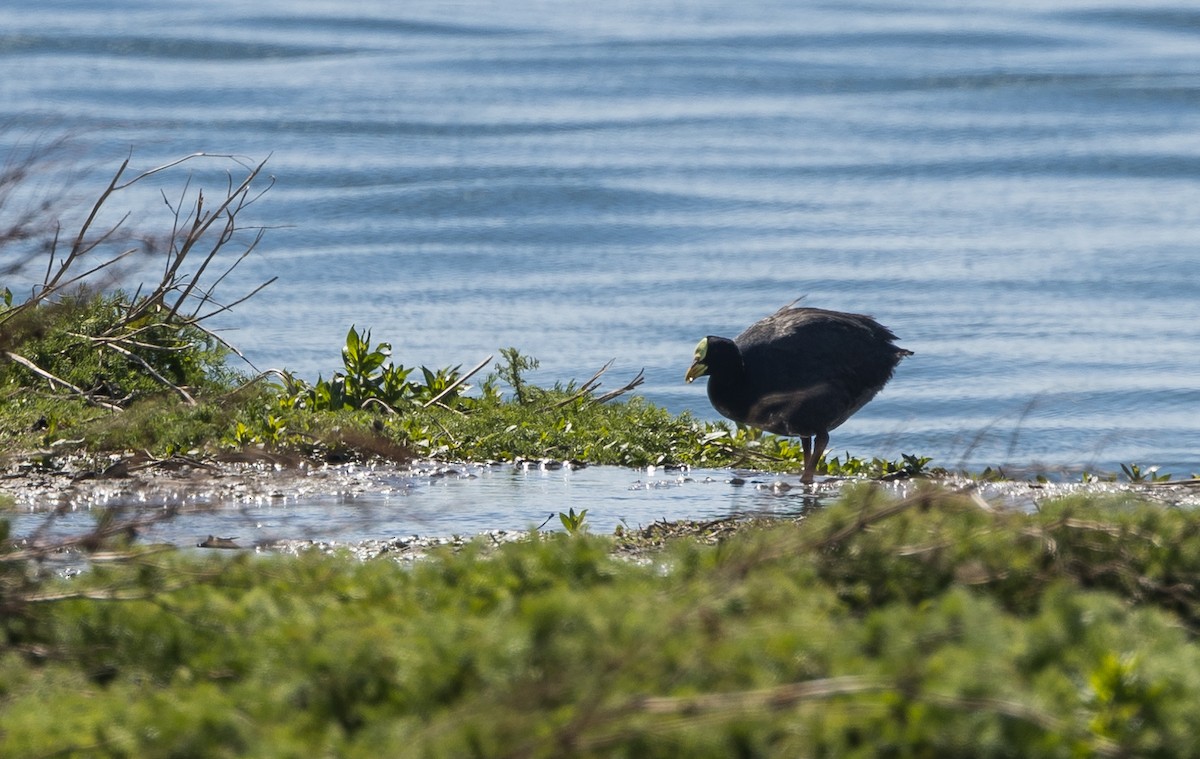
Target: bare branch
x=586 y=387
x=153 y=372
x=457 y=383
x=639 y=379
x=228 y=208
x=58 y=381
x=239 y=160
x=197 y=319
x=780 y=696
x=187 y=290
x=377 y=402
x=77 y=247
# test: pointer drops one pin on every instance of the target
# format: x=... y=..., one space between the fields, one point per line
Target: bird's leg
x=812 y=454
x=806 y=444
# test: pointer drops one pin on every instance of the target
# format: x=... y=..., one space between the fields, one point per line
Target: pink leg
x=806 y=445
x=812 y=454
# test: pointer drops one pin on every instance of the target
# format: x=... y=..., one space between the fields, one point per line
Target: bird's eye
x=702 y=349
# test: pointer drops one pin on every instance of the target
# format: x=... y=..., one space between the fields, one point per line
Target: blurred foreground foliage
x=877 y=627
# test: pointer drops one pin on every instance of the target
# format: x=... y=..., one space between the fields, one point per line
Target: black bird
x=798 y=372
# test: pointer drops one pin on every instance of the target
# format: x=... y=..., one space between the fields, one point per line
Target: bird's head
x=715 y=357
x=698 y=367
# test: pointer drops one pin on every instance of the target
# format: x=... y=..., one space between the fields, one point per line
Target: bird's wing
x=820 y=357
x=812 y=342
x=814 y=408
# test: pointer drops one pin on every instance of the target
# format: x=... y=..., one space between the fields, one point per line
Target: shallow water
x=351 y=504
x=1014 y=188
x=403 y=511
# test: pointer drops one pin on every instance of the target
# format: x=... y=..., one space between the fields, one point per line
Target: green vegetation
x=82 y=365
x=922 y=627
x=573 y=523
x=372 y=406
x=1135 y=474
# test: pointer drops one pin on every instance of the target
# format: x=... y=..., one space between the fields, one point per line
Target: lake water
x=1012 y=187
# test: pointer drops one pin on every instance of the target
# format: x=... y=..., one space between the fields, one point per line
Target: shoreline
x=228 y=487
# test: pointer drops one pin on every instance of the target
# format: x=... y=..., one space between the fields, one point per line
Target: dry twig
x=458 y=382
x=181 y=298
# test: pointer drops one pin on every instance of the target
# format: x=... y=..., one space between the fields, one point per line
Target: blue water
x=1013 y=188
